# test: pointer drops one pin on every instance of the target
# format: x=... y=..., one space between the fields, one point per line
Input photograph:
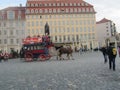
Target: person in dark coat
x=112 y=56
x=104 y=52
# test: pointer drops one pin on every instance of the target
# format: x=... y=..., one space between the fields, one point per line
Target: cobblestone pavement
x=86 y=72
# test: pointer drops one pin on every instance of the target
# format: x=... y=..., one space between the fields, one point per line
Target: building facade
x=70 y=21
x=12 y=26
x=105 y=30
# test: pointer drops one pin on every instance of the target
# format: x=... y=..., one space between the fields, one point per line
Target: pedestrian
x=104 y=52
x=119 y=51
x=112 y=53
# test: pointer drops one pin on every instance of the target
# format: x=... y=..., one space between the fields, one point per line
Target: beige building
x=12 y=26
x=105 y=30
x=70 y=21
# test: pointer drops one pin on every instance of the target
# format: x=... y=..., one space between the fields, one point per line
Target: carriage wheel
x=28 y=57
x=6 y=57
x=48 y=57
x=42 y=57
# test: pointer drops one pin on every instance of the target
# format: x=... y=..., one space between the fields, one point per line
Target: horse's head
x=58 y=47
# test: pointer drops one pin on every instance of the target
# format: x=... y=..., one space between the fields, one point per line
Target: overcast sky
x=105 y=8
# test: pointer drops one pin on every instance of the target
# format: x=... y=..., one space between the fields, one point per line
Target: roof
x=58 y=6
x=4 y=12
x=104 y=20
x=13 y=8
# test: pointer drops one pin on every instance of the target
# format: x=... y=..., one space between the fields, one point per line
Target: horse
x=65 y=50
x=60 y=50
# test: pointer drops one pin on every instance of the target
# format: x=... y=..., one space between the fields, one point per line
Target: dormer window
x=54 y=4
x=82 y=4
x=66 y=4
x=70 y=4
x=45 y=4
x=74 y=4
x=78 y=4
x=40 y=4
x=32 y=5
x=58 y=4
x=62 y=4
x=49 y=4
x=86 y=4
x=36 y=5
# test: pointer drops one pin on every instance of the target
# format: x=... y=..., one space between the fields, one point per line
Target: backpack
x=114 y=51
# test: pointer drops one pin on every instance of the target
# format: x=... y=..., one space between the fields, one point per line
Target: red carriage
x=4 y=56
x=36 y=48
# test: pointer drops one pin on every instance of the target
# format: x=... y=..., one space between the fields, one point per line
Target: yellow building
x=70 y=21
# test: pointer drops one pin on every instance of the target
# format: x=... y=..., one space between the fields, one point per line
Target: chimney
x=20 y=5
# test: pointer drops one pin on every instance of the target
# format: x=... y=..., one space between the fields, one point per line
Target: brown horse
x=65 y=50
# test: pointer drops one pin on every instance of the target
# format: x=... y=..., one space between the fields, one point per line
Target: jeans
x=112 y=63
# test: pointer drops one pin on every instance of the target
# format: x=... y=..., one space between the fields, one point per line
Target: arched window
x=32 y=10
x=41 y=11
x=36 y=10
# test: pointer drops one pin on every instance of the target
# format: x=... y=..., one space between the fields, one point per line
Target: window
x=5 y=41
x=79 y=10
x=68 y=38
x=64 y=38
x=70 y=4
x=32 y=10
x=66 y=4
x=17 y=41
x=55 y=38
x=11 y=32
x=71 y=10
x=36 y=10
x=77 y=37
x=0 y=41
x=46 y=10
x=60 y=39
x=54 y=10
x=11 y=41
x=73 y=37
x=75 y=9
x=36 y=5
x=83 y=9
x=5 y=32
x=41 y=11
x=0 y=32
x=10 y=15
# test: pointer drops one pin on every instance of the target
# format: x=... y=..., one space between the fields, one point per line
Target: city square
x=86 y=72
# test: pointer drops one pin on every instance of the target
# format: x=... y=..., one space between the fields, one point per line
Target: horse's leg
x=60 y=56
x=72 y=56
x=68 y=56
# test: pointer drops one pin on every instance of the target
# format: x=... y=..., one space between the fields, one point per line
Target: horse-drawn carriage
x=4 y=56
x=36 y=48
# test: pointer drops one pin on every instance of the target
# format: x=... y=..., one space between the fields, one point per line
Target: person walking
x=104 y=52
x=112 y=53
